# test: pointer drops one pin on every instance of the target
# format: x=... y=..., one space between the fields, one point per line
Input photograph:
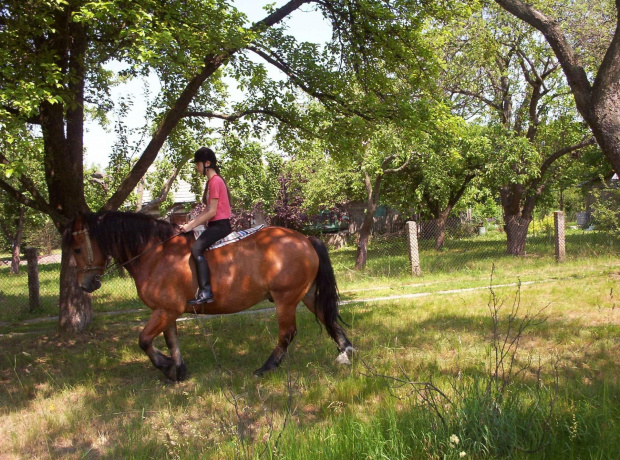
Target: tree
x=14 y=215
x=377 y=152
x=457 y=153
x=61 y=48
x=594 y=80
x=518 y=86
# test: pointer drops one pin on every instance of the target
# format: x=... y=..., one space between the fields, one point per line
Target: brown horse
x=274 y=263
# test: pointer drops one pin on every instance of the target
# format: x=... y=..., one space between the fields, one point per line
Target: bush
x=606 y=209
x=46 y=238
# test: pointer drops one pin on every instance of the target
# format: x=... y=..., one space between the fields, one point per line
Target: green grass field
x=427 y=381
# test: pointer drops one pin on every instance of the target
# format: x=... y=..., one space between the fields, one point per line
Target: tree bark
x=76 y=312
x=17 y=241
x=516 y=233
x=518 y=210
x=366 y=229
x=440 y=237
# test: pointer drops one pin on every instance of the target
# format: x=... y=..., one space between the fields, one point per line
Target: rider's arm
x=203 y=217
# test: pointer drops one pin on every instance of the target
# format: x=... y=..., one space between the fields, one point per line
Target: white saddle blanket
x=234 y=236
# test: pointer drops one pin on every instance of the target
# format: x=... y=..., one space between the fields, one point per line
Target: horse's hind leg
x=335 y=330
x=160 y=321
x=172 y=340
x=287 y=329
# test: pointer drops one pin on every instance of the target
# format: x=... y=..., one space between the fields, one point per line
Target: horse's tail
x=326 y=294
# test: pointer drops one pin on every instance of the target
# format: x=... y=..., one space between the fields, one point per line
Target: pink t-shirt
x=217 y=190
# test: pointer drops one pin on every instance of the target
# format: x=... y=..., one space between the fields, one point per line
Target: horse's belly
x=226 y=304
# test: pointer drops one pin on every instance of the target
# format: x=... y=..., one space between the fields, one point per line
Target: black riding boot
x=204 y=287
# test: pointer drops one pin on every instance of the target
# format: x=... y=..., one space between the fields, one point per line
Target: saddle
x=231 y=238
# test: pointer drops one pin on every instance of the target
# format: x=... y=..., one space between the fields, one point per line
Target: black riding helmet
x=204 y=154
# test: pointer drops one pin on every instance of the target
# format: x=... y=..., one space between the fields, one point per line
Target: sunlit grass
x=99 y=396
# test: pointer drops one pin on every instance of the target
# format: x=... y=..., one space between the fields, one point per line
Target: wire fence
x=460 y=246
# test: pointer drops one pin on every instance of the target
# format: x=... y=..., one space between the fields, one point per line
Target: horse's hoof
x=259 y=372
x=176 y=373
x=181 y=372
x=344 y=356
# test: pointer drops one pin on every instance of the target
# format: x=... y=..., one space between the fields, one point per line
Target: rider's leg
x=213 y=233
x=204 y=279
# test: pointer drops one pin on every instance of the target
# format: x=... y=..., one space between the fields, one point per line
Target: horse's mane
x=124 y=235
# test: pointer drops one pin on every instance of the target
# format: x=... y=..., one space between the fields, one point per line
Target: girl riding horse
x=274 y=263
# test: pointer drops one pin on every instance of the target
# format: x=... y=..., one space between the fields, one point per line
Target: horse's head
x=89 y=258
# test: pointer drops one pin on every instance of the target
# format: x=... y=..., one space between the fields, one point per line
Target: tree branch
x=285 y=68
x=164 y=193
x=29 y=186
x=575 y=73
x=395 y=170
x=43 y=207
x=609 y=71
x=212 y=63
x=480 y=97
x=564 y=151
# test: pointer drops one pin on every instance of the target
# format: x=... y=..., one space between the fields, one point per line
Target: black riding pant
x=216 y=230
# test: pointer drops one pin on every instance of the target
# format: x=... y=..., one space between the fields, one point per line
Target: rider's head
x=206 y=156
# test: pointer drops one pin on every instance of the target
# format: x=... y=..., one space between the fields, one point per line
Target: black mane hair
x=123 y=235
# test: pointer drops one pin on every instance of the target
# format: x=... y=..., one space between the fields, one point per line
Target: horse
x=274 y=263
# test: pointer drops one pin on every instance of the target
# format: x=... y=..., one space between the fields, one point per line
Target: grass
x=465 y=262
x=99 y=397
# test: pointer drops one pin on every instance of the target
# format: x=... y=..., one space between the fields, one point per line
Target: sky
x=305 y=24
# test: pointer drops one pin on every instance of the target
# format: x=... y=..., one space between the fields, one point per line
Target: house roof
x=181 y=193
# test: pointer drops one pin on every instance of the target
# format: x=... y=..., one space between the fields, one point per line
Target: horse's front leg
x=160 y=321
x=172 y=340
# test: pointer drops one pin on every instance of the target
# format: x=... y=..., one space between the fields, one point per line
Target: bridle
x=89 y=251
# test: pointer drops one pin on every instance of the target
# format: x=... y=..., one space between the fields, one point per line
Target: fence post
x=33 y=278
x=560 y=240
x=412 y=244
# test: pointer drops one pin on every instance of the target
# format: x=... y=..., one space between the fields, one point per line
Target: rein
x=139 y=255
x=89 y=250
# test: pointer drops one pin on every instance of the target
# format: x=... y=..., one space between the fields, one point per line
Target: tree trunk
x=76 y=312
x=17 y=241
x=366 y=228
x=365 y=231
x=516 y=233
x=440 y=237
x=518 y=210
x=63 y=132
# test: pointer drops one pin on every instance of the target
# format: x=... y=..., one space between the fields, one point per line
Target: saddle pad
x=235 y=236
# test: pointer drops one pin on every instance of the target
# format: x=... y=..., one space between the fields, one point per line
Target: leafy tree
x=54 y=53
x=450 y=156
x=591 y=67
x=19 y=155
x=518 y=86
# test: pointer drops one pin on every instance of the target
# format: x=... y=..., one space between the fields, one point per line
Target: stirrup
x=203 y=296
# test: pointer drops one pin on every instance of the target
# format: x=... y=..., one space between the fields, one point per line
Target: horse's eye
x=77 y=251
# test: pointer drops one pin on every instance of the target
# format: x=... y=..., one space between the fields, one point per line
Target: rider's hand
x=185 y=228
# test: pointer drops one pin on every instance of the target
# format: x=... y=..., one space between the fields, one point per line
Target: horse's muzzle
x=92 y=284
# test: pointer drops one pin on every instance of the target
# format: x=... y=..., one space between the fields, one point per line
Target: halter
x=89 y=251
